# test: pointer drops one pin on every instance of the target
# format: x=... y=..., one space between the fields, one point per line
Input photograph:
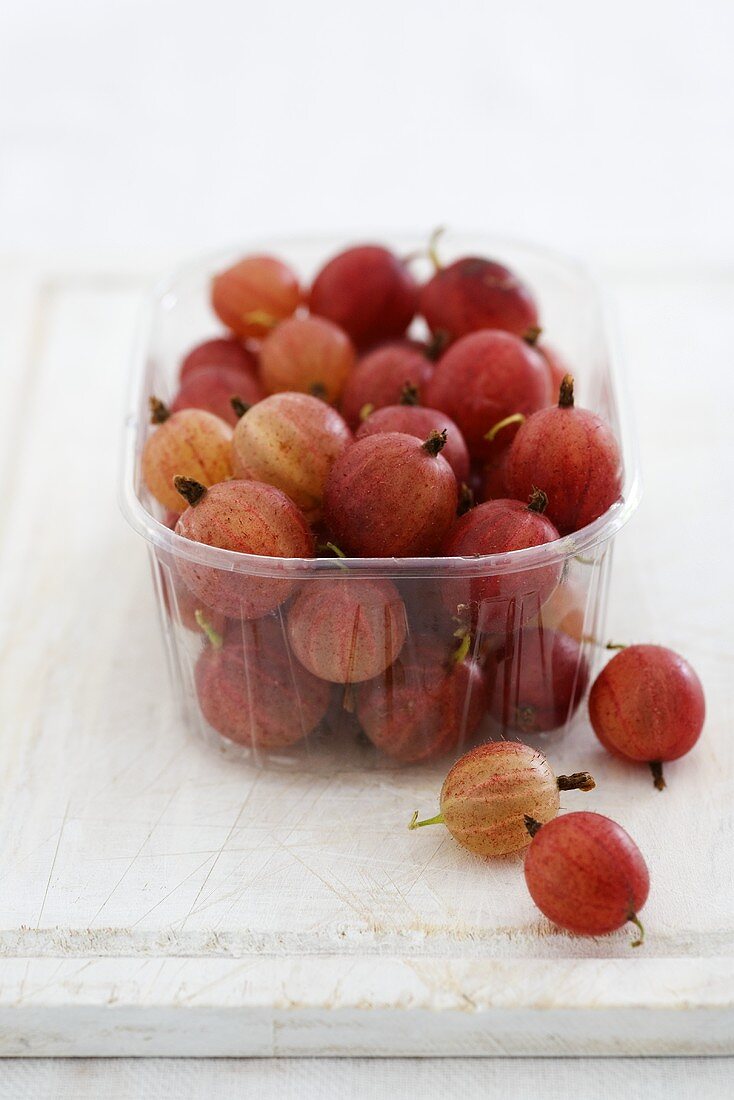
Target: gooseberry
x=347 y=629
x=212 y=388
x=586 y=874
x=574 y=455
x=501 y=601
x=290 y=440
x=540 y=682
x=489 y=792
x=389 y=375
x=254 y=294
x=222 y=351
x=249 y=518
x=472 y=294
x=190 y=442
x=647 y=704
x=390 y=495
x=418 y=421
x=487 y=382
x=251 y=691
x=307 y=355
x=367 y=291
x=426 y=704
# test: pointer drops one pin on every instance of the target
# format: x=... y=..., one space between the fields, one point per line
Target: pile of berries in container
x=381 y=521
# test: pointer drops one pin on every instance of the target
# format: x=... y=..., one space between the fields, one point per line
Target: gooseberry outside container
x=178 y=315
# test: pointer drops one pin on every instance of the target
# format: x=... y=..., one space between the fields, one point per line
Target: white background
x=156 y=128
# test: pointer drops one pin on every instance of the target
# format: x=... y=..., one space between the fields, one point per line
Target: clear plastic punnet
x=414 y=675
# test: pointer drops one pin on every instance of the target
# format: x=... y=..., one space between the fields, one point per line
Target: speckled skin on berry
x=348 y=629
x=484 y=378
x=252 y=692
x=647 y=704
x=575 y=456
x=250 y=518
x=191 y=442
x=418 y=421
x=500 y=602
x=425 y=705
x=290 y=440
x=380 y=378
x=488 y=792
x=586 y=874
x=389 y=496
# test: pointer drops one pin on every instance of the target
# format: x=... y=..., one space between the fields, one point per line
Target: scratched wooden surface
x=158 y=898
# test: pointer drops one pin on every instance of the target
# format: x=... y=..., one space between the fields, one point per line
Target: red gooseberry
x=540 y=682
x=501 y=602
x=307 y=355
x=368 y=291
x=487 y=382
x=426 y=704
x=472 y=294
x=251 y=691
x=290 y=440
x=347 y=629
x=390 y=495
x=419 y=421
x=647 y=704
x=212 y=388
x=190 y=442
x=489 y=792
x=586 y=874
x=390 y=375
x=574 y=455
x=221 y=351
x=254 y=294
x=249 y=518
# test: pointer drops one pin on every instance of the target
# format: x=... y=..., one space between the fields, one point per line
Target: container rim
x=583 y=542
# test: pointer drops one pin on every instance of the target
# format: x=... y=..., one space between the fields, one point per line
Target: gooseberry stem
x=466 y=499
x=462 y=650
x=616 y=645
x=532 y=335
x=159 y=412
x=240 y=407
x=436 y=442
x=565 y=395
x=516 y=418
x=579 y=781
x=215 y=638
x=531 y=824
x=261 y=317
x=437 y=346
x=191 y=490
x=366 y=411
x=409 y=394
x=641 y=938
x=537 y=501
x=656 y=767
x=317 y=389
x=416 y=824
x=433 y=240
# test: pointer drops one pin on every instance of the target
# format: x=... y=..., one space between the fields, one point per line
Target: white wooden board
x=157 y=898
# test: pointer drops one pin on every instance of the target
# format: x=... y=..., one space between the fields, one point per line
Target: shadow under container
x=382 y=659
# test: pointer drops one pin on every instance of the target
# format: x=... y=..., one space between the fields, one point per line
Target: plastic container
x=420 y=706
